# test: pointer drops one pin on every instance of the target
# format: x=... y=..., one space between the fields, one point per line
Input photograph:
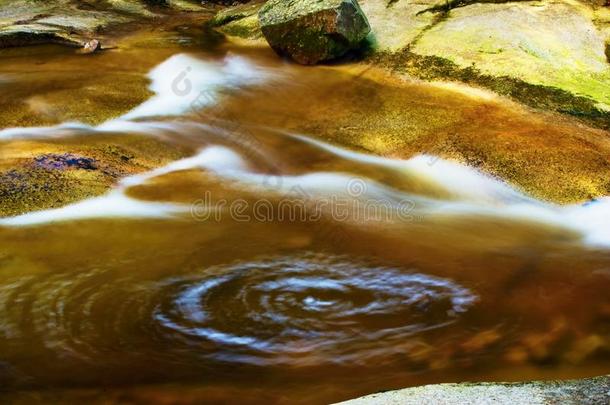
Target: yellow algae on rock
x=547 y=43
x=37 y=174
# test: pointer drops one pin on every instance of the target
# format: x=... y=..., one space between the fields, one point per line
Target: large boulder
x=310 y=31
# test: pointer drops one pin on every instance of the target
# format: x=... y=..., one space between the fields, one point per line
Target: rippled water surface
x=270 y=266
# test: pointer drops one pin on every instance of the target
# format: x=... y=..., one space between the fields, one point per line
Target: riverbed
x=274 y=241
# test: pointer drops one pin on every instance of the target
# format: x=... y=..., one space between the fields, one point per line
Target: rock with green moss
x=239 y=21
x=37 y=174
x=231 y=14
x=545 y=43
x=310 y=31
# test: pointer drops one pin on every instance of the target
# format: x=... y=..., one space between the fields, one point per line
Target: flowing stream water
x=270 y=265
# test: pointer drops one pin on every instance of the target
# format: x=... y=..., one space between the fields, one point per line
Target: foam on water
x=593 y=219
x=57 y=131
x=117 y=204
x=481 y=194
x=114 y=204
x=213 y=158
x=478 y=194
x=183 y=83
x=489 y=198
x=156 y=128
x=462 y=181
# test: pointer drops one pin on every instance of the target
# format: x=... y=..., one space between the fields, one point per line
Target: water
x=269 y=265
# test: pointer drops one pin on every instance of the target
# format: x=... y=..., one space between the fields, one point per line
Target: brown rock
x=481 y=341
x=539 y=345
x=585 y=347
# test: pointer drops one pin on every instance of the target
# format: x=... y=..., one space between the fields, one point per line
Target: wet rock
x=65 y=161
x=585 y=391
x=516 y=355
x=63 y=22
x=540 y=345
x=532 y=151
x=235 y=13
x=36 y=34
x=440 y=362
x=224 y=2
x=91 y=46
x=240 y=21
x=481 y=341
x=520 y=40
x=585 y=347
x=65 y=171
x=73 y=23
x=244 y=28
x=516 y=49
x=311 y=31
x=163 y=3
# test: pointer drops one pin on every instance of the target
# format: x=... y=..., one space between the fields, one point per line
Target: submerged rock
x=310 y=31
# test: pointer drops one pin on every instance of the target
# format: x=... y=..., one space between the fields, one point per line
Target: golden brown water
x=287 y=270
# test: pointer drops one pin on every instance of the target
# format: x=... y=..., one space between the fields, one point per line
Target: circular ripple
x=303 y=310
x=307 y=310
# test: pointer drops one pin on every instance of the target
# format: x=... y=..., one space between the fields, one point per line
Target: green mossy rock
x=310 y=31
x=239 y=21
x=236 y=13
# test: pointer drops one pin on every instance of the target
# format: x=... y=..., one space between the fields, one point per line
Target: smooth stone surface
x=548 y=43
x=72 y=23
x=585 y=391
